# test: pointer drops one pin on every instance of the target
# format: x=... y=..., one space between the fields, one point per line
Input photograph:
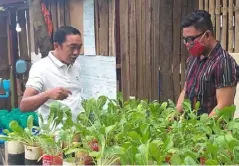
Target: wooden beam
x=8 y=2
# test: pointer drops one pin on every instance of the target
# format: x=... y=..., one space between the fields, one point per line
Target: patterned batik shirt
x=205 y=75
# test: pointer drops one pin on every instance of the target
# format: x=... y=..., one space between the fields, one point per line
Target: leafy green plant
x=27 y=135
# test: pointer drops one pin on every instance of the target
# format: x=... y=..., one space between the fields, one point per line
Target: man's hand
x=32 y=99
x=181 y=99
x=58 y=93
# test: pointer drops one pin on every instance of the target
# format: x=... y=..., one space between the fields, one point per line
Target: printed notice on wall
x=98 y=74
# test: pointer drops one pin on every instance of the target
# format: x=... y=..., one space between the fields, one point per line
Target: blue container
x=6 y=85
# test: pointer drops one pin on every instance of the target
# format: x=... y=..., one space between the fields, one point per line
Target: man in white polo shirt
x=57 y=76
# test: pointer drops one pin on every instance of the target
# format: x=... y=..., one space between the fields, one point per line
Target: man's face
x=191 y=34
x=70 y=49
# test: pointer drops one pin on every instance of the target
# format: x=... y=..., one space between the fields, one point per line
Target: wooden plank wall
x=4 y=56
x=225 y=18
x=148 y=44
x=105 y=27
x=66 y=13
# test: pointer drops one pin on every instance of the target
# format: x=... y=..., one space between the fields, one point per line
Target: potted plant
x=25 y=139
x=52 y=151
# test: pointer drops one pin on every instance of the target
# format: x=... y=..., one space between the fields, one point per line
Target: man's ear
x=209 y=33
x=56 y=45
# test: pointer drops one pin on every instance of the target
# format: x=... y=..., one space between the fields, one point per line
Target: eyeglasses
x=191 y=39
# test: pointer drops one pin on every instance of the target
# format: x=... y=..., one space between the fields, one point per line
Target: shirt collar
x=213 y=52
x=56 y=61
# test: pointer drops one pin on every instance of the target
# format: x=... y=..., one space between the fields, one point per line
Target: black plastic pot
x=2 y=153
x=16 y=153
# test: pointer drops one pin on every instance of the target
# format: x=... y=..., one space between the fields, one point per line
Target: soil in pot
x=16 y=155
x=52 y=160
x=32 y=154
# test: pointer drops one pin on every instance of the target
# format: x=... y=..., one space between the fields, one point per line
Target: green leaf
x=108 y=129
x=163 y=106
x=73 y=150
x=187 y=105
x=171 y=103
x=212 y=148
x=4 y=138
x=154 y=107
x=211 y=162
x=227 y=112
x=231 y=142
x=168 y=143
x=16 y=127
x=101 y=102
x=236 y=152
x=223 y=157
x=176 y=159
x=6 y=131
x=154 y=150
x=189 y=161
x=30 y=120
x=134 y=136
x=41 y=118
x=95 y=154
x=139 y=159
x=197 y=106
x=120 y=97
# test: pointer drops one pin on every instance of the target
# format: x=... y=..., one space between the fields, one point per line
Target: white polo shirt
x=49 y=73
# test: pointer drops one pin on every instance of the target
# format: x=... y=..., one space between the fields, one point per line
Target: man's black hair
x=61 y=33
x=200 y=19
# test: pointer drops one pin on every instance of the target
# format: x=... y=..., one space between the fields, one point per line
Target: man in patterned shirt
x=211 y=71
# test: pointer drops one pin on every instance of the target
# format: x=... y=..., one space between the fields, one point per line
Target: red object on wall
x=47 y=17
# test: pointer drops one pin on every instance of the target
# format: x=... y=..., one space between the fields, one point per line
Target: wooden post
x=206 y=5
x=112 y=51
x=67 y=12
x=148 y=48
x=156 y=49
x=224 y=26
x=218 y=26
x=124 y=52
x=41 y=34
x=177 y=12
x=14 y=53
x=133 y=47
x=237 y=27
x=230 y=31
x=212 y=12
x=201 y=4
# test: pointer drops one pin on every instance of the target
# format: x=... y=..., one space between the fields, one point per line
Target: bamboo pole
x=224 y=25
x=217 y=12
x=212 y=12
x=230 y=28
x=237 y=27
x=200 y=4
x=206 y=5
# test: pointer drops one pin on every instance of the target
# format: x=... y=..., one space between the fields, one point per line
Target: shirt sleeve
x=35 y=79
x=225 y=73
